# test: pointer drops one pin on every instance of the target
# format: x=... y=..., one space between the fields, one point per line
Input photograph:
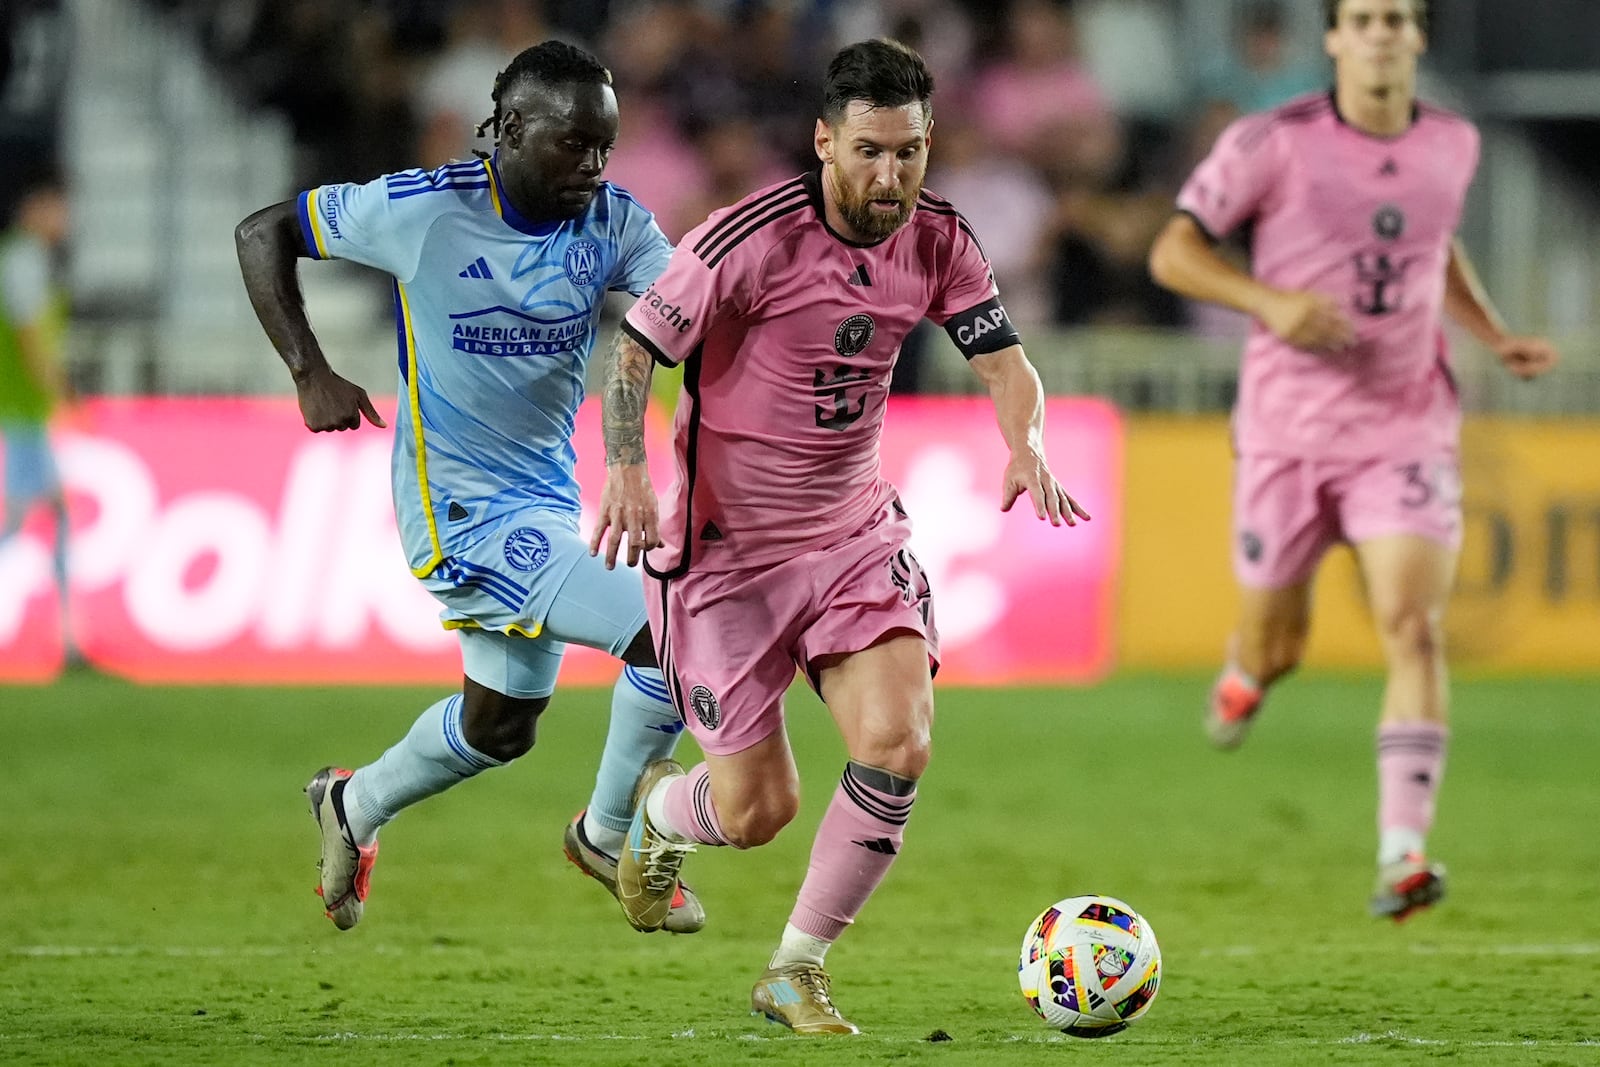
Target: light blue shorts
x=30 y=473
x=531 y=574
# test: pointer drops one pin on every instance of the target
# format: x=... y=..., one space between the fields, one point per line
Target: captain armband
x=982 y=329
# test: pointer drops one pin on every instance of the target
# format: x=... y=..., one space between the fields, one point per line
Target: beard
x=858 y=211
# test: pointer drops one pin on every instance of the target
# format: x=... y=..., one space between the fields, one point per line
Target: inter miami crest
x=706 y=708
x=854 y=335
x=1389 y=223
x=1250 y=542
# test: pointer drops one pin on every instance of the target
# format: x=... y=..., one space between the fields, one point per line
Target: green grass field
x=156 y=866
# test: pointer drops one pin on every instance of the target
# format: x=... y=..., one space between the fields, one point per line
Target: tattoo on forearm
x=626 y=391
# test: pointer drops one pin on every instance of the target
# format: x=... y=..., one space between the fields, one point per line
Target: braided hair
x=548 y=63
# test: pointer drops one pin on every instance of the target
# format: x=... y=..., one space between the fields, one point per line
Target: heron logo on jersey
x=1250 y=544
x=526 y=548
x=854 y=335
x=583 y=262
x=1389 y=222
x=706 y=708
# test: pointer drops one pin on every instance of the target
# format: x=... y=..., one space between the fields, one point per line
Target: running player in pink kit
x=780 y=544
x=1347 y=422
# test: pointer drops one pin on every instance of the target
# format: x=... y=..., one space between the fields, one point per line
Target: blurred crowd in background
x=1063 y=131
x=718 y=97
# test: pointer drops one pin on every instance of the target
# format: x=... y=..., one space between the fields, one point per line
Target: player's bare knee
x=499 y=726
x=908 y=759
x=1414 y=633
x=901 y=748
x=760 y=822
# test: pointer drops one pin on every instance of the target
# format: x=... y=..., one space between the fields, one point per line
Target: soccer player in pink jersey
x=780 y=544
x=1347 y=422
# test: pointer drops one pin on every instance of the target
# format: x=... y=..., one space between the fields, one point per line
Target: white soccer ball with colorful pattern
x=1090 y=966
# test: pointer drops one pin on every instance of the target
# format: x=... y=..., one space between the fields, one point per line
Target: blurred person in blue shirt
x=1264 y=69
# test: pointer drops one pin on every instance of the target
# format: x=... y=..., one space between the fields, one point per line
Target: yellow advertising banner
x=1528 y=594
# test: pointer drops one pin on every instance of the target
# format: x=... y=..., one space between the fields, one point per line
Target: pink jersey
x=1369 y=221
x=795 y=331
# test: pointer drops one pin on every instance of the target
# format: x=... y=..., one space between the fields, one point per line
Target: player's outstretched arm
x=1184 y=260
x=1019 y=409
x=268 y=243
x=1469 y=305
x=628 y=502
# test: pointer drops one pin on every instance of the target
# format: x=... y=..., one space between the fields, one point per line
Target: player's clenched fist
x=1310 y=321
x=1527 y=357
x=329 y=402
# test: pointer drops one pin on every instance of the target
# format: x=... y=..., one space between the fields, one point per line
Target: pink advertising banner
x=216 y=541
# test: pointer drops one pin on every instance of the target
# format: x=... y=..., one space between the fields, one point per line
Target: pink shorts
x=730 y=642
x=1288 y=512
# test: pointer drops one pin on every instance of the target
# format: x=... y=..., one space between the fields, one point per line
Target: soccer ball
x=1090 y=966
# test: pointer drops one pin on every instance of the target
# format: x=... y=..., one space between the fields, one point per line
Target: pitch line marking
x=1572 y=948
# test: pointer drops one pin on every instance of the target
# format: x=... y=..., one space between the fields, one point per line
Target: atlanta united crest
x=583 y=262
x=526 y=548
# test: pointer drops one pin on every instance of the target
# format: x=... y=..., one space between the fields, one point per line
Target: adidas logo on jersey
x=479 y=269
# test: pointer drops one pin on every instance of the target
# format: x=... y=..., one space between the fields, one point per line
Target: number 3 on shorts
x=1425 y=483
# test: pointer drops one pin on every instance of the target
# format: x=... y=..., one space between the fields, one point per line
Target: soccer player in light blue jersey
x=501 y=266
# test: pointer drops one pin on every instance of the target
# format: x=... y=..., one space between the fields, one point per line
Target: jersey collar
x=1333 y=101
x=508 y=211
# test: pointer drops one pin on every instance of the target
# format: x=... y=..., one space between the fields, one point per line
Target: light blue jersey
x=495 y=318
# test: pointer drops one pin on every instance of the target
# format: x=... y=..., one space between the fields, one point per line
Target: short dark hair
x=1261 y=16
x=882 y=72
x=1419 y=8
x=547 y=63
x=33 y=179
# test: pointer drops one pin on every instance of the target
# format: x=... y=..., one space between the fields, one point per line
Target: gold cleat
x=686 y=916
x=647 y=869
x=796 y=995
